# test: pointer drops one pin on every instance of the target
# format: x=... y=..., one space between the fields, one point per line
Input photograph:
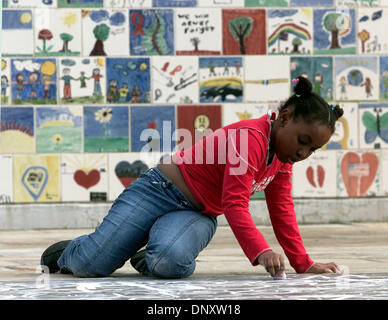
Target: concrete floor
x=223 y=272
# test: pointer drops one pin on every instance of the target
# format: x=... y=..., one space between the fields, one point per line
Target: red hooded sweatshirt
x=224 y=169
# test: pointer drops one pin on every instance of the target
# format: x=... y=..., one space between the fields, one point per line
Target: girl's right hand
x=272 y=262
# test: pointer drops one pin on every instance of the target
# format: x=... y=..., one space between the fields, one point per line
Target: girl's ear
x=284 y=116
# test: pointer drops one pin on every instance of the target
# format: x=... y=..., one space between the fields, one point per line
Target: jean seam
x=172 y=242
x=91 y=261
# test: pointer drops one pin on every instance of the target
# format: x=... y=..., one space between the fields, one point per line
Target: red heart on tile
x=358 y=173
x=320 y=174
x=310 y=176
x=87 y=179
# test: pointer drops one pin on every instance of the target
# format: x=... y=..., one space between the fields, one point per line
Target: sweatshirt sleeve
x=281 y=210
x=238 y=179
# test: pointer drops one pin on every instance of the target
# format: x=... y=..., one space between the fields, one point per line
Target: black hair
x=311 y=106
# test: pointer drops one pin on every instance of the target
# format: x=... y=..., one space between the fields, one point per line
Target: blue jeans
x=152 y=211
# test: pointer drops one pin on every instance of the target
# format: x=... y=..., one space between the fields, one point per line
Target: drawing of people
x=368 y=87
x=385 y=81
x=112 y=91
x=97 y=85
x=318 y=79
x=136 y=93
x=82 y=78
x=46 y=85
x=33 y=79
x=19 y=85
x=212 y=69
x=226 y=68
x=237 y=66
x=123 y=92
x=4 y=86
x=67 y=87
x=343 y=84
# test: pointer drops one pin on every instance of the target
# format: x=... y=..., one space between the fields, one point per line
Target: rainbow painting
x=289 y=28
x=290 y=31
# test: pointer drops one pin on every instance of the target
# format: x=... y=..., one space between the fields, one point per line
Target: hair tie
x=297 y=95
x=295 y=80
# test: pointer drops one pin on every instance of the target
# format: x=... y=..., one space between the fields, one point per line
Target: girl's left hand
x=330 y=267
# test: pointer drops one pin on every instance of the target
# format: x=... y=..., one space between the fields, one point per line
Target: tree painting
x=195 y=41
x=101 y=33
x=364 y=36
x=107 y=27
x=240 y=28
x=338 y=24
x=296 y=42
x=66 y=38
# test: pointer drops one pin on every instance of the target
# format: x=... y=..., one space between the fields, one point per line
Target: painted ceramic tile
x=244 y=31
x=106 y=129
x=290 y=31
x=384 y=171
x=198 y=32
x=174 y=3
x=34 y=81
x=221 y=79
x=126 y=168
x=128 y=80
x=57 y=32
x=267 y=3
x=84 y=177
x=17 y=130
x=127 y=3
x=263 y=82
x=17 y=34
x=373 y=125
x=105 y=32
x=356 y=78
x=175 y=79
x=319 y=70
x=358 y=174
x=334 y=31
x=315 y=176
x=195 y=123
x=82 y=80
x=59 y=129
x=152 y=32
x=5 y=81
x=384 y=78
x=312 y=3
x=358 y=3
x=152 y=128
x=372 y=24
x=346 y=129
x=221 y=3
x=243 y=111
x=80 y=3
x=32 y=3
x=6 y=183
x=36 y=178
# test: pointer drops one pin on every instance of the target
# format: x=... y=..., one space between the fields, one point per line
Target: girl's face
x=295 y=140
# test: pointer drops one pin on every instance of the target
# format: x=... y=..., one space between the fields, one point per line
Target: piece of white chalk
x=283 y=276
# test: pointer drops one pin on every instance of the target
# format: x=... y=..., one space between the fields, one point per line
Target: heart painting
x=358 y=172
x=87 y=179
x=128 y=172
x=316 y=176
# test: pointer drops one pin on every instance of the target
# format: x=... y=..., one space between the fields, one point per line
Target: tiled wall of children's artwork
x=90 y=87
